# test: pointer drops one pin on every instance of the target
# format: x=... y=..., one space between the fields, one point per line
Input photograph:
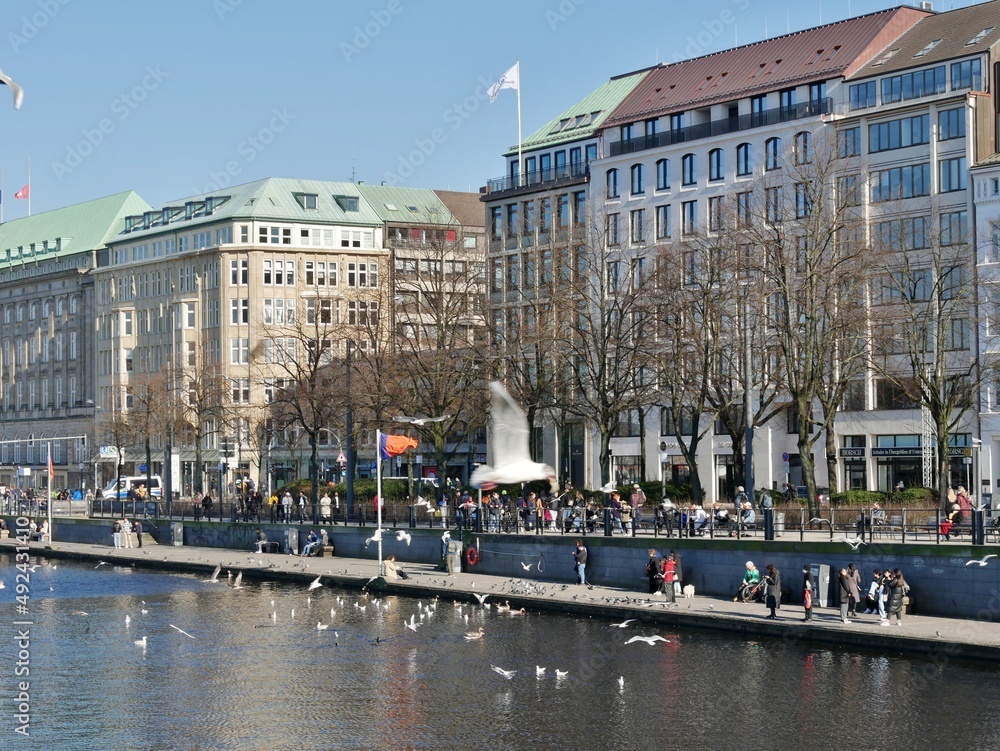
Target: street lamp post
x=349 y=425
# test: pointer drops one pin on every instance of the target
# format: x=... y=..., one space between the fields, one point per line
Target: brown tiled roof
x=955 y=29
x=769 y=65
x=465 y=207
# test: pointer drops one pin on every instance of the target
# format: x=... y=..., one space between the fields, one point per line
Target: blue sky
x=179 y=97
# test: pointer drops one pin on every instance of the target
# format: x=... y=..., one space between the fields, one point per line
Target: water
x=247 y=681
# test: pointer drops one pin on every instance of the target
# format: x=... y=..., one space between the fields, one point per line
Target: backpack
x=766 y=501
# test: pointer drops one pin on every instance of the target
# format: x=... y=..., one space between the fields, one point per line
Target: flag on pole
x=394 y=445
x=509 y=80
x=52 y=470
x=23 y=192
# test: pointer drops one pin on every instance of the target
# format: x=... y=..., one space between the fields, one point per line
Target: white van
x=155 y=491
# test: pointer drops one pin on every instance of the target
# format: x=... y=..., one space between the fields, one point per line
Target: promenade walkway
x=944 y=639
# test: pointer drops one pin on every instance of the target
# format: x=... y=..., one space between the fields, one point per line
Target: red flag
x=394 y=445
x=52 y=471
x=23 y=192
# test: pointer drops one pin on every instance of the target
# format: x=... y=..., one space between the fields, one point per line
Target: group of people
x=767 y=590
x=122 y=531
x=664 y=573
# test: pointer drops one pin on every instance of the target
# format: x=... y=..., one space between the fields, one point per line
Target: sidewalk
x=944 y=638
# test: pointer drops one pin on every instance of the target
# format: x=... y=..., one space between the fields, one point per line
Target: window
x=689 y=169
x=898 y=134
x=579 y=208
x=758 y=110
x=803 y=147
x=715 y=217
x=743 y=209
x=663 y=226
x=512 y=227
x=954 y=227
x=803 y=201
x=862 y=95
x=239 y=271
x=903 y=234
x=951 y=124
x=744 y=160
x=637 y=228
x=362 y=313
x=772 y=202
x=689 y=217
x=786 y=100
x=677 y=422
x=614 y=221
x=239 y=351
x=612 y=179
x=614 y=275
x=715 y=171
x=952 y=174
x=958 y=334
x=544 y=216
x=663 y=174
x=901 y=182
x=966 y=75
x=913 y=85
x=239 y=311
x=362 y=275
x=772 y=154
x=848 y=190
x=273 y=235
x=189 y=315
x=496 y=217
x=638 y=179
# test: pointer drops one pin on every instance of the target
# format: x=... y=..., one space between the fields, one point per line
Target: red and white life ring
x=472 y=556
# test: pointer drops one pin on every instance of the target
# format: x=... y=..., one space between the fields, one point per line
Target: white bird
x=293 y=612
x=374 y=538
x=504 y=608
x=332 y=612
x=853 y=542
x=470 y=635
x=512 y=462
x=128 y=620
x=412 y=624
x=508 y=674
x=420 y=421
x=141 y=642
x=16 y=90
x=320 y=626
x=144 y=611
x=214 y=579
x=403 y=536
x=3 y=586
x=561 y=673
x=481 y=598
x=621 y=681
x=539 y=671
x=315 y=584
x=609 y=488
x=181 y=630
x=623 y=624
x=101 y=563
x=650 y=640
x=982 y=561
x=238 y=583
x=527 y=566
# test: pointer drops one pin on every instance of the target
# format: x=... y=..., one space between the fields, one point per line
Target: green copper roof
x=82 y=227
x=584 y=118
x=409 y=205
x=270 y=199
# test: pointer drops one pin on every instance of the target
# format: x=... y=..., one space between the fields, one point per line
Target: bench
x=269 y=547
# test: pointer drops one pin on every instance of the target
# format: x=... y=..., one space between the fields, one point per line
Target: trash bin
x=779 y=524
x=176 y=533
x=453 y=558
x=821 y=582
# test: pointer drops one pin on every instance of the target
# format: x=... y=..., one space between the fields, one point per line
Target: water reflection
x=246 y=680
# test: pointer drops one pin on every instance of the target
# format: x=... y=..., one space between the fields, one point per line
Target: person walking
x=808 y=588
x=773 y=598
x=637 y=500
x=654 y=572
x=846 y=582
x=580 y=556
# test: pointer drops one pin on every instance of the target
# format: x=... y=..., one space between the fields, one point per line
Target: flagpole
x=378 y=496
x=1 y=195
x=520 y=161
x=29 y=179
x=48 y=467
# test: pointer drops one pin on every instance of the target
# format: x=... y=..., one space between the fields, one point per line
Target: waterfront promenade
x=944 y=639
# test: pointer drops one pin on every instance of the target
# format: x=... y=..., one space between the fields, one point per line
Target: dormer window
x=347 y=203
x=307 y=201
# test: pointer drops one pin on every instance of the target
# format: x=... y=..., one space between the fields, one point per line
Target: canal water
x=249 y=674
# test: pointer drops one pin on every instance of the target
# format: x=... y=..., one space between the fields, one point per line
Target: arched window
x=744 y=160
x=803 y=147
x=613 y=183
x=663 y=174
x=689 y=169
x=772 y=154
x=638 y=179
x=715 y=167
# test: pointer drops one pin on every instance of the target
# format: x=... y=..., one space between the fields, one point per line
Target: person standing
x=126 y=533
x=286 y=506
x=637 y=500
x=807 y=591
x=741 y=497
x=302 y=506
x=324 y=508
x=898 y=589
x=654 y=572
x=616 y=511
x=669 y=575
x=846 y=582
x=678 y=573
x=773 y=579
x=852 y=609
x=580 y=556
x=116 y=534
x=137 y=527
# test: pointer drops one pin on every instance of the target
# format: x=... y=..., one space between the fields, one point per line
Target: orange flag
x=394 y=445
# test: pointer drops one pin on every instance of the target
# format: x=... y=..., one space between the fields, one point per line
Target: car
x=822 y=494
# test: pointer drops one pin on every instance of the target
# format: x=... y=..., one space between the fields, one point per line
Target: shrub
x=861 y=498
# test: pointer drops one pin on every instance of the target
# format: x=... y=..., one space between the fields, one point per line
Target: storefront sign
x=852 y=452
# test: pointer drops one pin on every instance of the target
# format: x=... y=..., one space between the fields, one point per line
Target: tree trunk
x=831 y=459
x=314 y=472
x=805 y=456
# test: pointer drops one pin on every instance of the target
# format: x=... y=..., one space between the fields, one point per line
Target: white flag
x=508 y=80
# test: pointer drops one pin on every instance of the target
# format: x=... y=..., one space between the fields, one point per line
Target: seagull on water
x=539 y=671
x=561 y=673
x=624 y=624
x=215 y=576
x=508 y=674
x=16 y=90
x=470 y=635
x=320 y=626
x=403 y=536
x=650 y=640
x=982 y=561
x=141 y=642
x=128 y=620
x=238 y=583
x=420 y=421
x=621 y=681
x=513 y=463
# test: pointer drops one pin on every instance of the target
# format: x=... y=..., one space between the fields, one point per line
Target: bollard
x=979 y=527
x=413 y=518
x=769 y=524
x=607 y=522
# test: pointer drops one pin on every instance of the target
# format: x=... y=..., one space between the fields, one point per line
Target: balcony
x=722 y=127
x=552 y=177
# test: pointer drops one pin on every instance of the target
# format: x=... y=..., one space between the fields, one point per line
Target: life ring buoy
x=472 y=556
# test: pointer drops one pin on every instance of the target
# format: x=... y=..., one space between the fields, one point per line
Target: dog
x=688 y=591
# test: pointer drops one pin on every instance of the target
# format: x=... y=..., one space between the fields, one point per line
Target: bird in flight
x=481 y=598
x=377 y=537
x=181 y=630
x=512 y=462
x=508 y=674
x=403 y=536
x=420 y=421
x=855 y=543
x=315 y=584
x=609 y=488
x=624 y=624
x=650 y=640
x=982 y=561
x=214 y=579
x=16 y=90
x=238 y=584
x=527 y=566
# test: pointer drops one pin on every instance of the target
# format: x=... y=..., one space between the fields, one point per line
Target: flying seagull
x=609 y=488
x=512 y=462
x=854 y=543
x=374 y=538
x=623 y=624
x=420 y=421
x=403 y=536
x=315 y=584
x=982 y=561
x=508 y=674
x=238 y=583
x=181 y=630
x=215 y=576
x=481 y=598
x=650 y=640
x=527 y=566
x=16 y=90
